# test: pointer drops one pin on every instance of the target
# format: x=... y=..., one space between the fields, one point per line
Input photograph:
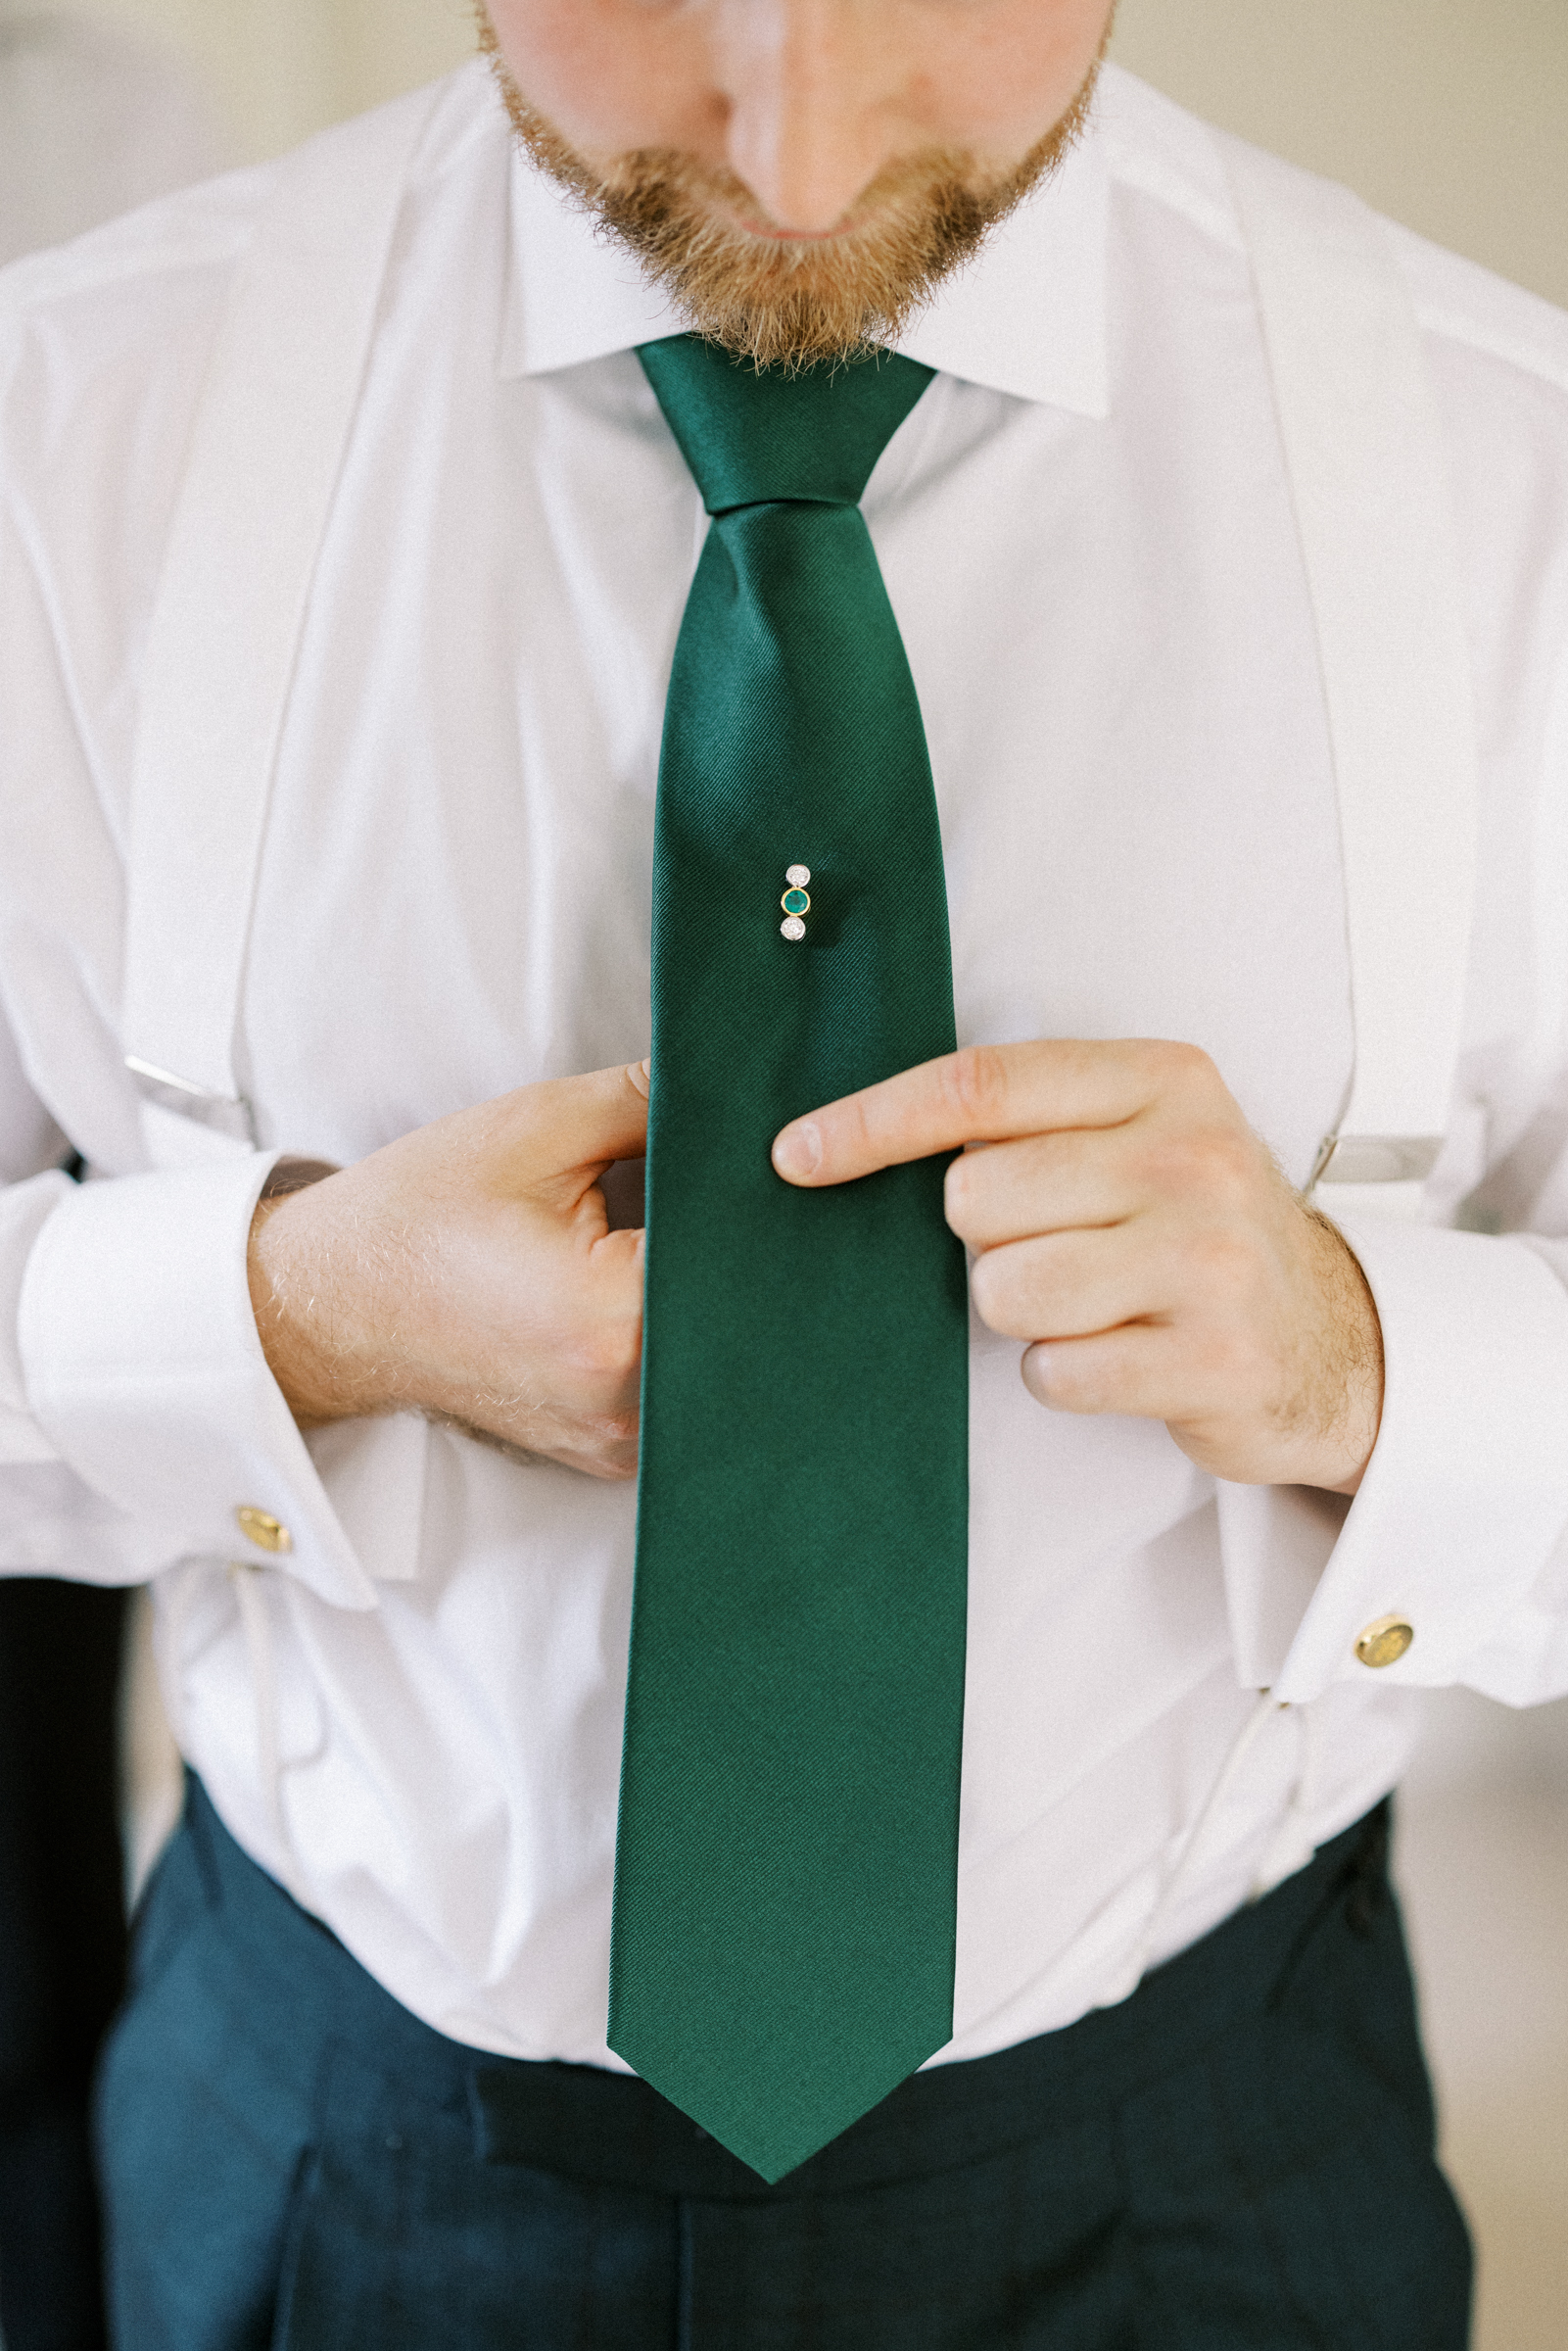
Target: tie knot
x=754 y=436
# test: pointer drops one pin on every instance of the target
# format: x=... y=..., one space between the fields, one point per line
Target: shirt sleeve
x=138 y=1371
x=137 y=1413
x=1459 y=1531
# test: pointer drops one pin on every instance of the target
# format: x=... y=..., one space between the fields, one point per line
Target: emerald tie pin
x=795 y=902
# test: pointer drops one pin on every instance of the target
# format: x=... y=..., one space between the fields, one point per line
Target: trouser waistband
x=585 y=2122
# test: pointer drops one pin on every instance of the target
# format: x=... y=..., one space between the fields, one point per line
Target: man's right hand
x=468 y=1271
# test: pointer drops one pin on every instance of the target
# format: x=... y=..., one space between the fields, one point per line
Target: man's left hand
x=1129 y=1226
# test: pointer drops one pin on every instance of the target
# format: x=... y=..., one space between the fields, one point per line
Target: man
x=90 y=124
x=365 y=2089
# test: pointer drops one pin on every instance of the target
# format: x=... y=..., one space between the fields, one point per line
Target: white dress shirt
x=413 y=1717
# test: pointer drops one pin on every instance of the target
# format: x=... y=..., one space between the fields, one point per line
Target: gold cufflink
x=263 y=1530
x=1385 y=1642
x=795 y=901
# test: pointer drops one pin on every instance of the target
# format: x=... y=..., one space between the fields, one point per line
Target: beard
x=784 y=303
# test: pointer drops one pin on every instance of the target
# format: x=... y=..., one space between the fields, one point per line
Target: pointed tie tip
x=780 y=2126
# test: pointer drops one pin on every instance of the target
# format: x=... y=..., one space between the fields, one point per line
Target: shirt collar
x=1026 y=317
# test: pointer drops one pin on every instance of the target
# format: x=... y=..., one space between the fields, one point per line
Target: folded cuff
x=144 y=1370
x=1466 y=1494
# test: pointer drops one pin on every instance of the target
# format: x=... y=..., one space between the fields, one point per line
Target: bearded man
x=959 y=643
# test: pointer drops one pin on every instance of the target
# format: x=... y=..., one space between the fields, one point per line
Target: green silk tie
x=786 y=1863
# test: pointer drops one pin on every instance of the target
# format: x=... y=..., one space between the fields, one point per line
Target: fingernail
x=797 y=1151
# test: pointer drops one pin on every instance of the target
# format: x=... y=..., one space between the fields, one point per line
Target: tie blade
x=783 y=1944
x=783 y=1936
x=786 y=1859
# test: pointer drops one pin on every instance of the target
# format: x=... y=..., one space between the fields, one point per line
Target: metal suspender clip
x=1375 y=1159
x=227 y=1114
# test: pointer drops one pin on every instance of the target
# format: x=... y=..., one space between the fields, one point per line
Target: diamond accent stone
x=793 y=927
x=797 y=876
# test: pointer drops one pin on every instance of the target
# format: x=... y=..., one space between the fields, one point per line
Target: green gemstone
x=795 y=901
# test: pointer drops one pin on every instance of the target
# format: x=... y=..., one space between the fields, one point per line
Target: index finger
x=981 y=1094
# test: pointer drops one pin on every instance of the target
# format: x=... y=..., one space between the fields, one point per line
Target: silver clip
x=227 y=1114
x=1375 y=1159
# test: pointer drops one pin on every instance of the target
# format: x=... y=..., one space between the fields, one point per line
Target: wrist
x=1350 y=1392
x=292 y=1298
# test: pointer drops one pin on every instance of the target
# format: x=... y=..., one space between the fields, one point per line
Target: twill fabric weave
x=786 y=1856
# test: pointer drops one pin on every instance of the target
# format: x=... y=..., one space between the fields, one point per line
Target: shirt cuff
x=1466 y=1494
x=144 y=1370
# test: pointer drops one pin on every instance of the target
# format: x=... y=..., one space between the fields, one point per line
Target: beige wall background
x=1453 y=115
x=278 y=69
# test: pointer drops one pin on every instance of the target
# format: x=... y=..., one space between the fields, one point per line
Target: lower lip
x=794 y=236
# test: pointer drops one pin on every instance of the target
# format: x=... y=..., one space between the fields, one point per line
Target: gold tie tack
x=795 y=901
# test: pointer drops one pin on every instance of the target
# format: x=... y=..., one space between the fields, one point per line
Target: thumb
x=569 y=1128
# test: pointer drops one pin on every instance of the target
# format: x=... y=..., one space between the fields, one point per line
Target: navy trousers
x=1239 y=2158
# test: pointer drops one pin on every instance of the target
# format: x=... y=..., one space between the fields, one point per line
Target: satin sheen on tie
x=786 y=1856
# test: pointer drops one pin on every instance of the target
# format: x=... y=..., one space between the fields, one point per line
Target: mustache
x=795 y=301
x=781 y=301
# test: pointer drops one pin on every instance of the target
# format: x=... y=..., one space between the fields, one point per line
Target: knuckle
x=608 y=1437
x=983 y=1287
x=1067 y=1386
x=1212 y=1163
x=1186 y=1066
x=959 y=1195
x=613 y=1353
x=1218 y=1360
x=616 y=1430
x=994 y=1293
x=1232 y=1373
x=974 y=1081
x=605 y=1444
x=1070 y=1380
x=1223 y=1260
x=1232 y=1159
x=846 y=1132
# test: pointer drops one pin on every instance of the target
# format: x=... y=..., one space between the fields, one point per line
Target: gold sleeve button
x=263 y=1530
x=1385 y=1642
